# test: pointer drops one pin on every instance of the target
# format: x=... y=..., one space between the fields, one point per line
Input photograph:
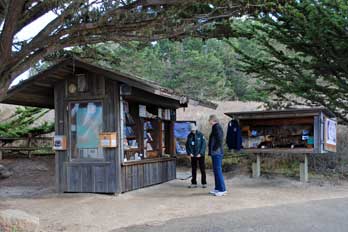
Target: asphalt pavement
x=315 y=216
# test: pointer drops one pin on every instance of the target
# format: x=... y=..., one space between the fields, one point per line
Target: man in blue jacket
x=195 y=147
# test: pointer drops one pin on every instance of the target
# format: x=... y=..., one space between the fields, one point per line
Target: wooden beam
x=203 y=103
x=40 y=76
x=45 y=85
x=278 y=122
x=58 y=77
x=280 y=113
x=26 y=99
x=152 y=99
x=22 y=103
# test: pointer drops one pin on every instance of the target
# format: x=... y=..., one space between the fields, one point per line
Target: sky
x=29 y=32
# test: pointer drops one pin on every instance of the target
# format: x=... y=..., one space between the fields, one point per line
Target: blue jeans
x=217 y=168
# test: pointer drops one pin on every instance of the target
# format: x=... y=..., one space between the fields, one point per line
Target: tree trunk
x=4 y=85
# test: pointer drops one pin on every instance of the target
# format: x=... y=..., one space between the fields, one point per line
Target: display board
x=330 y=134
x=181 y=130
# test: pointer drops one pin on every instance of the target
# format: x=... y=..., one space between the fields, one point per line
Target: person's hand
x=199 y=155
x=191 y=155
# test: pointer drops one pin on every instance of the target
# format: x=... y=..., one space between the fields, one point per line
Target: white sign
x=167 y=114
x=142 y=111
x=331 y=126
x=160 y=113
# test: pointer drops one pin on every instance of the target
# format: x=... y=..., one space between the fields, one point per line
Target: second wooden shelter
x=292 y=131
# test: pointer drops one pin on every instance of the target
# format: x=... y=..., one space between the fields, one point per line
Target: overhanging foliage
x=301 y=53
x=21 y=123
x=80 y=22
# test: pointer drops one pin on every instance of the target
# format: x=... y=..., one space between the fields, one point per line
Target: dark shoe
x=204 y=186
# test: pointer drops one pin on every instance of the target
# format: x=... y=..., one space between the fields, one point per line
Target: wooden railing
x=26 y=145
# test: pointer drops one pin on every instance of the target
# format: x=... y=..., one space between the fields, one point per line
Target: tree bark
x=14 y=10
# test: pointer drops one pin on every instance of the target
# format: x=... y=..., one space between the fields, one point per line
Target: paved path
x=251 y=204
x=315 y=216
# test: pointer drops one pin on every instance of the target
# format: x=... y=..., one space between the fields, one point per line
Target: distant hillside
x=201 y=114
x=6 y=111
x=194 y=113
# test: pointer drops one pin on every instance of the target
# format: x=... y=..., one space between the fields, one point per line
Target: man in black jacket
x=195 y=147
x=216 y=151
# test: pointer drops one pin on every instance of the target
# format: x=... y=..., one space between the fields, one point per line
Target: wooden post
x=29 y=144
x=304 y=170
x=0 y=151
x=256 y=167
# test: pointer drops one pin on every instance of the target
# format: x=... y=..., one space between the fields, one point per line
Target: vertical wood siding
x=82 y=176
x=60 y=156
x=140 y=175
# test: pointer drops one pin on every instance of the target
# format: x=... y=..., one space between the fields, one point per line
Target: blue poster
x=182 y=130
x=89 y=125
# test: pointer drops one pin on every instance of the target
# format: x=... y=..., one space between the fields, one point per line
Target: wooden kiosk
x=113 y=131
x=295 y=131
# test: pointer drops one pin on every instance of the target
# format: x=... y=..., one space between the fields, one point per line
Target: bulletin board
x=330 y=134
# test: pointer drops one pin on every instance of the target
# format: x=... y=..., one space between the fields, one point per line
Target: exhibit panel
x=330 y=134
x=288 y=131
x=181 y=131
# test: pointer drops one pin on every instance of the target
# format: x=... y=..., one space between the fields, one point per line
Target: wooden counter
x=147 y=172
x=146 y=161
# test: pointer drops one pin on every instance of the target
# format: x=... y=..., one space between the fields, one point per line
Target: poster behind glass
x=331 y=131
x=85 y=126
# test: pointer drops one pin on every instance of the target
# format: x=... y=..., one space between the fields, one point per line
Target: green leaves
x=22 y=123
x=200 y=68
x=300 y=50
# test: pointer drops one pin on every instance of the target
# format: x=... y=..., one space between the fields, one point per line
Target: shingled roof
x=38 y=90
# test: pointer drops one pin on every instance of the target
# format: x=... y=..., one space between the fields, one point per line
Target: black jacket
x=234 y=136
x=195 y=144
x=216 y=139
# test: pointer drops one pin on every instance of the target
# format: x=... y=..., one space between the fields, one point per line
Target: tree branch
x=14 y=9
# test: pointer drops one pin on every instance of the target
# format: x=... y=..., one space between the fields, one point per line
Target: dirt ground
x=31 y=190
x=31 y=176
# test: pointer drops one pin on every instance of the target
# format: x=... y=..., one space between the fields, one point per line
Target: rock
x=19 y=221
x=5 y=172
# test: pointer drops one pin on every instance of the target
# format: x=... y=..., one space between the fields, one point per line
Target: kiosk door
x=90 y=166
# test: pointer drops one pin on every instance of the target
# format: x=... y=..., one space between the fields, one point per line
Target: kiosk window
x=85 y=126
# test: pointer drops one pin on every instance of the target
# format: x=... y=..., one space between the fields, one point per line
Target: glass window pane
x=85 y=126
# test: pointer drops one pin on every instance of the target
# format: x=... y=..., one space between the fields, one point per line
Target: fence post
x=28 y=144
x=256 y=167
x=0 y=151
x=304 y=169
